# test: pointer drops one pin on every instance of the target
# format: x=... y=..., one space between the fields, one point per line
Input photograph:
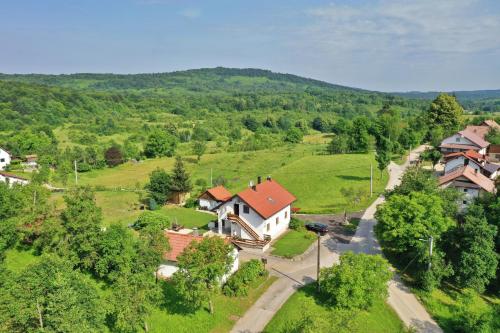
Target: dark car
x=317 y=227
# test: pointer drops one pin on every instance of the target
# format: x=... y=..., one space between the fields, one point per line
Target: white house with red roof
x=472 y=159
x=468 y=181
x=213 y=197
x=5 y=158
x=12 y=179
x=178 y=241
x=257 y=214
x=463 y=141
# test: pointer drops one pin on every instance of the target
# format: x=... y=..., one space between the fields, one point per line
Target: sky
x=384 y=45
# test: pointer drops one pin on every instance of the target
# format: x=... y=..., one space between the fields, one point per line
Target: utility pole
x=76 y=174
x=317 y=271
x=431 y=241
x=371 y=179
x=409 y=155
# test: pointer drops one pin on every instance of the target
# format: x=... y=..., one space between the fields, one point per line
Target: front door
x=237 y=209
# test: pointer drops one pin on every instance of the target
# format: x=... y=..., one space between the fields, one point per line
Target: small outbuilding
x=214 y=197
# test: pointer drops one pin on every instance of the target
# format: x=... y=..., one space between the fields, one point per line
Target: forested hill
x=228 y=80
x=461 y=95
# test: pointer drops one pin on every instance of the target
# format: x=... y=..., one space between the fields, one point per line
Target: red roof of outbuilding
x=220 y=193
x=268 y=198
x=178 y=242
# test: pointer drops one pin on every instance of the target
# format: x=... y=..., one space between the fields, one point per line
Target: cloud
x=190 y=13
x=424 y=27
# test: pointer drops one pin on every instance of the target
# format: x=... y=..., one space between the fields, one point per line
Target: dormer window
x=457 y=139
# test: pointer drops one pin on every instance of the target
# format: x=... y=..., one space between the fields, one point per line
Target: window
x=268 y=227
x=2 y=159
x=286 y=213
x=246 y=209
x=277 y=220
x=457 y=139
x=464 y=202
x=465 y=190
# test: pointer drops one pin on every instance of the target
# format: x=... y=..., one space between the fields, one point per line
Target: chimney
x=252 y=186
x=195 y=231
x=268 y=178
x=259 y=180
x=250 y=183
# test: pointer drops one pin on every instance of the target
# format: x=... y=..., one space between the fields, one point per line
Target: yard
x=379 y=319
x=293 y=243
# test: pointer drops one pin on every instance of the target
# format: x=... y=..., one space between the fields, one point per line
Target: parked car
x=317 y=227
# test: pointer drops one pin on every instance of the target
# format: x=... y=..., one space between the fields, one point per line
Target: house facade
x=258 y=214
x=12 y=179
x=178 y=241
x=5 y=158
x=468 y=181
x=463 y=141
x=479 y=164
x=214 y=197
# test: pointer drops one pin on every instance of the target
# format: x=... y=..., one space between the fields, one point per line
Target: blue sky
x=387 y=45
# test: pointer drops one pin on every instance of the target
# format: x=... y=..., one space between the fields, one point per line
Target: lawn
x=313 y=178
x=172 y=317
x=444 y=303
x=380 y=318
x=293 y=243
x=17 y=258
x=188 y=217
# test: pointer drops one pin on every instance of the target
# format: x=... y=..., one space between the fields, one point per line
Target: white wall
x=469 y=194
x=457 y=139
x=4 y=159
x=11 y=180
x=256 y=221
x=208 y=204
x=459 y=162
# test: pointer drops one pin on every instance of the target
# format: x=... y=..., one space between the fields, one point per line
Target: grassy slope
x=293 y=243
x=315 y=180
x=173 y=318
x=444 y=303
x=379 y=319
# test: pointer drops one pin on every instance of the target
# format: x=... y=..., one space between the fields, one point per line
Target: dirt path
x=293 y=275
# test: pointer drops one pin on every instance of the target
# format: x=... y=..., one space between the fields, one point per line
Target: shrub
x=238 y=283
x=191 y=202
x=148 y=218
x=471 y=317
x=296 y=224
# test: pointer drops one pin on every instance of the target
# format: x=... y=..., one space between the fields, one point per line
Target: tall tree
x=179 y=181
x=199 y=148
x=50 y=297
x=160 y=143
x=357 y=282
x=159 y=185
x=82 y=222
x=445 y=112
x=201 y=268
x=383 y=153
x=476 y=259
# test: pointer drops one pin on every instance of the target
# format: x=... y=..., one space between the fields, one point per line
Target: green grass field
x=173 y=318
x=314 y=179
x=293 y=243
x=379 y=319
x=443 y=305
x=16 y=259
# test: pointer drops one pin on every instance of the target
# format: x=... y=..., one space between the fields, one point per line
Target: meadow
x=380 y=318
x=313 y=177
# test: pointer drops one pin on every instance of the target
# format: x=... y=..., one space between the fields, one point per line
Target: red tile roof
x=11 y=175
x=473 y=176
x=459 y=146
x=220 y=193
x=479 y=130
x=178 y=242
x=469 y=153
x=268 y=198
x=491 y=123
x=474 y=138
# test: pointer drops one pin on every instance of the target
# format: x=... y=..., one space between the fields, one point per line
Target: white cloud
x=408 y=27
x=190 y=13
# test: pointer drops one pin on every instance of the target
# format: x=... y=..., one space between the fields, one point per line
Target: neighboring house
x=256 y=215
x=5 y=158
x=30 y=162
x=484 y=128
x=12 y=179
x=214 y=197
x=469 y=181
x=494 y=153
x=472 y=159
x=491 y=124
x=178 y=241
x=463 y=141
